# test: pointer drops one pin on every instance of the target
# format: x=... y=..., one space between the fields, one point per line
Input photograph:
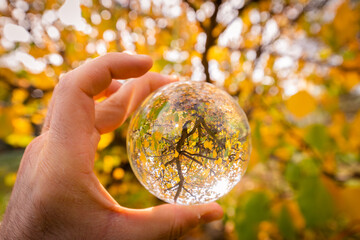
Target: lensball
x=189 y=143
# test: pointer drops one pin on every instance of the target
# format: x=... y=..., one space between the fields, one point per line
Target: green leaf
x=226 y=154
x=154 y=142
x=314 y=201
x=255 y=210
x=292 y=173
x=9 y=162
x=349 y=55
x=318 y=137
x=156 y=111
x=5 y=123
x=141 y=117
x=309 y=167
x=285 y=225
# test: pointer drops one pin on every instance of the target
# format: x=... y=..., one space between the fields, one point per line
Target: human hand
x=57 y=195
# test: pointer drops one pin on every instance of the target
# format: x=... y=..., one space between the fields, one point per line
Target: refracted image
x=189 y=143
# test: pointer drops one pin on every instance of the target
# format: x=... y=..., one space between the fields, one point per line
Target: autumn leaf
x=206 y=173
x=208 y=144
x=176 y=154
x=118 y=173
x=301 y=104
x=214 y=153
x=346 y=16
x=157 y=135
x=143 y=157
x=146 y=143
x=105 y=140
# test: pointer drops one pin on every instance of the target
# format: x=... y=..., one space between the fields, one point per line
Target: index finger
x=96 y=75
x=73 y=113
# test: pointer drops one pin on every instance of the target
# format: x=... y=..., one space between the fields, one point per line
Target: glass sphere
x=189 y=143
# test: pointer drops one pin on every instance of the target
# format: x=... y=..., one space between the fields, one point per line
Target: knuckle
x=110 y=54
x=64 y=78
x=71 y=76
x=104 y=59
x=63 y=82
x=117 y=105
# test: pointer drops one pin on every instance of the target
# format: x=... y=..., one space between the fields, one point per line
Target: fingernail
x=212 y=215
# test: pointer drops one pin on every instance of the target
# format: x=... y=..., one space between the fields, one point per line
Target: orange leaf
x=301 y=104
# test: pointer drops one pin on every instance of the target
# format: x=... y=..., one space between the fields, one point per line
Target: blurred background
x=293 y=66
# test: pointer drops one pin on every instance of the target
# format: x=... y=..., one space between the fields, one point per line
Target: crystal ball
x=189 y=143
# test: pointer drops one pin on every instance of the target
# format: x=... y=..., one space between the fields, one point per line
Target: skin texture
x=57 y=195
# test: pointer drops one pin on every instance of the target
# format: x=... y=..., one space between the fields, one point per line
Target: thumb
x=169 y=221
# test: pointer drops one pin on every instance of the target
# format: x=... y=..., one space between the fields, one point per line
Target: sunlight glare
x=16 y=33
x=221 y=186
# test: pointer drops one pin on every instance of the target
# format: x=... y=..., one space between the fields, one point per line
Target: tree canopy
x=292 y=65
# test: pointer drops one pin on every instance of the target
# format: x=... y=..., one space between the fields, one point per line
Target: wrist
x=21 y=222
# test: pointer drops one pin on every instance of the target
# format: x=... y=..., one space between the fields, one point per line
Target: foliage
x=292 y=65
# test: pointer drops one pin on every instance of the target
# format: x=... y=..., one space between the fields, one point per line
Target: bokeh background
x=293 y=66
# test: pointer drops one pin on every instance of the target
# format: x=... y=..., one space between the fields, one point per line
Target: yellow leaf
x=353 y=138
x=19 y=140
x=146 y=143
x=19 y=95
x=37 y=118
x=329 y=163
x=228 y=144
x=208 y=144
x=351 y=79
x=176 y=154
x=118 y=173
x=301 y=104
x=37 y=52
x=42 y=81
x=132 y=147
x=142 y=157
x=206 y=173
x=325 y=53
x=22 y=126
x=214 y=153
x=108 y=163
x=346 y=199
x=195 y=136
x=157 y=136
x=218 y=53
x=282 y=153
x=105 y=140
x=10 y=179
x=218 y=161
x=346 y=22
x=5 y=122
x=296 y=215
